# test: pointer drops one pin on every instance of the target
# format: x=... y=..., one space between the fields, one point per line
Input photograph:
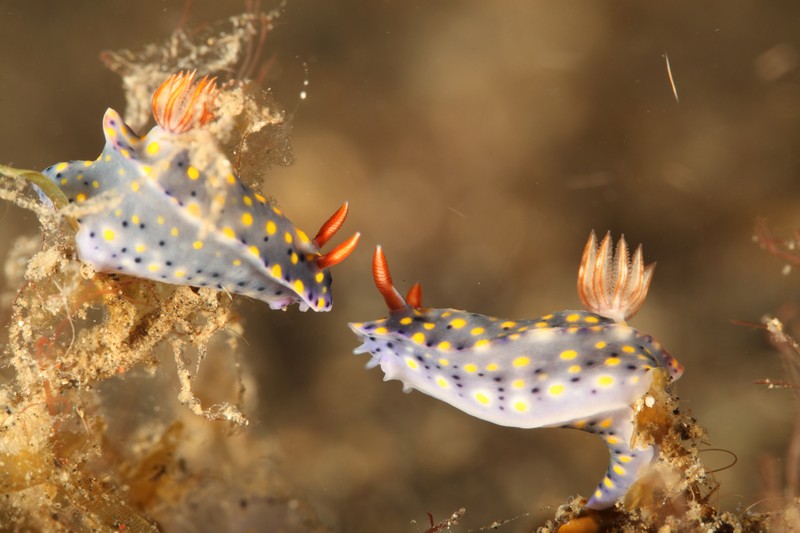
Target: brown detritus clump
x=75 y=454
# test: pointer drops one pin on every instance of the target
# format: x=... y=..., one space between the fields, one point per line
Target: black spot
x=280 y=291
x=449 y=326
x=259 y=289
x=266 y=239
x=141 y=226
x=538 y=371
x=429 y=344
x=189 y=278
x=460 y=347
x=193 y=193
x=575 y=379
x=631 y=367
x=137 y=260
x=215 y=274
x=86 y=183
x=169 y=263
x=390 y=345
x=198 y=271
x=219 y=286
x=91 y=234
x=124 y=250
x=180 y=163
x=455 y=376
x=590 y=363
x=480 y=374
x=498 y=379
x=163 y=276
x=161 y=243
x=124 y=223
x=535 y=390
x=241 y=283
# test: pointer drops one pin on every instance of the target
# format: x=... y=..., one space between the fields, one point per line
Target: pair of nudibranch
x=175 y=217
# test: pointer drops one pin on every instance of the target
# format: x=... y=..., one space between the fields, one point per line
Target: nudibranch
x=170 y=209
x=572 y=369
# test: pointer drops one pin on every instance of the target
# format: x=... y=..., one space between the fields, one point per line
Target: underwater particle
x=571 y=369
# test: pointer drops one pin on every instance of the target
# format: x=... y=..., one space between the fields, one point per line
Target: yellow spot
x=406 y=321
x=320 y=301
x=418 y=337
x=556 y=389
x=508 y=324
x=64 y=181
x=481 y=343
x=80 y=197
x=247 y=200
x=122 y=170
x=254 y=250
x=477 y=331
x=152 y=267
x=230 y=178
x=277 y=211
x=153 y=148
x=159 y=219
x=608 y=483
x=174 y=232
x=147 y=170
x=294 y=258
x=611 y=439
x=520 y=406
x=542 y=324
x=491 y=367
x=514 y=336
x=118 y=213
x=287 y=237
x=260 y=198
x=180 y=273
x=298 y=286
x=458 y=323
x=318 y=277
x=108 y=234
x=271 y=228
x=96 y=184
x=247 y=219
x=197 y=245
x=573 y=317
x=634 y=380
x=60 y=167
x=106 y=158
x=598 y=493
x=580 y=424
x=470 y=368
x=444 y=362
x=135 y=186
x=381 y=331
x=605 y=381
x=140 y=248
x=428 y=325
x=302 y=236
x=600 y=345
x=444 y=345
x=135 y=219
x=567 y=355
x=605 y=423
x=519 y=362
x=442 y=382
x=228 y=232
x=413 y=365
x=591 y=320
x=87 y=163
x=613 y=361
x=276 y=270
x=574 y=369
x=237 y=262
x=628 y=349
x=482 y=398
x=624 y=458
x=517 y=383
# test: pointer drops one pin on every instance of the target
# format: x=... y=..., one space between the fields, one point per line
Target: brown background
x=480 y=143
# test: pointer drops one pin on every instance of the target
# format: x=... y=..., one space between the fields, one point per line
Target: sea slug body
x=169 y=208
x=571 y=369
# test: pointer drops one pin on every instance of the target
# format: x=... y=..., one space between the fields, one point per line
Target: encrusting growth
x=572 y=369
